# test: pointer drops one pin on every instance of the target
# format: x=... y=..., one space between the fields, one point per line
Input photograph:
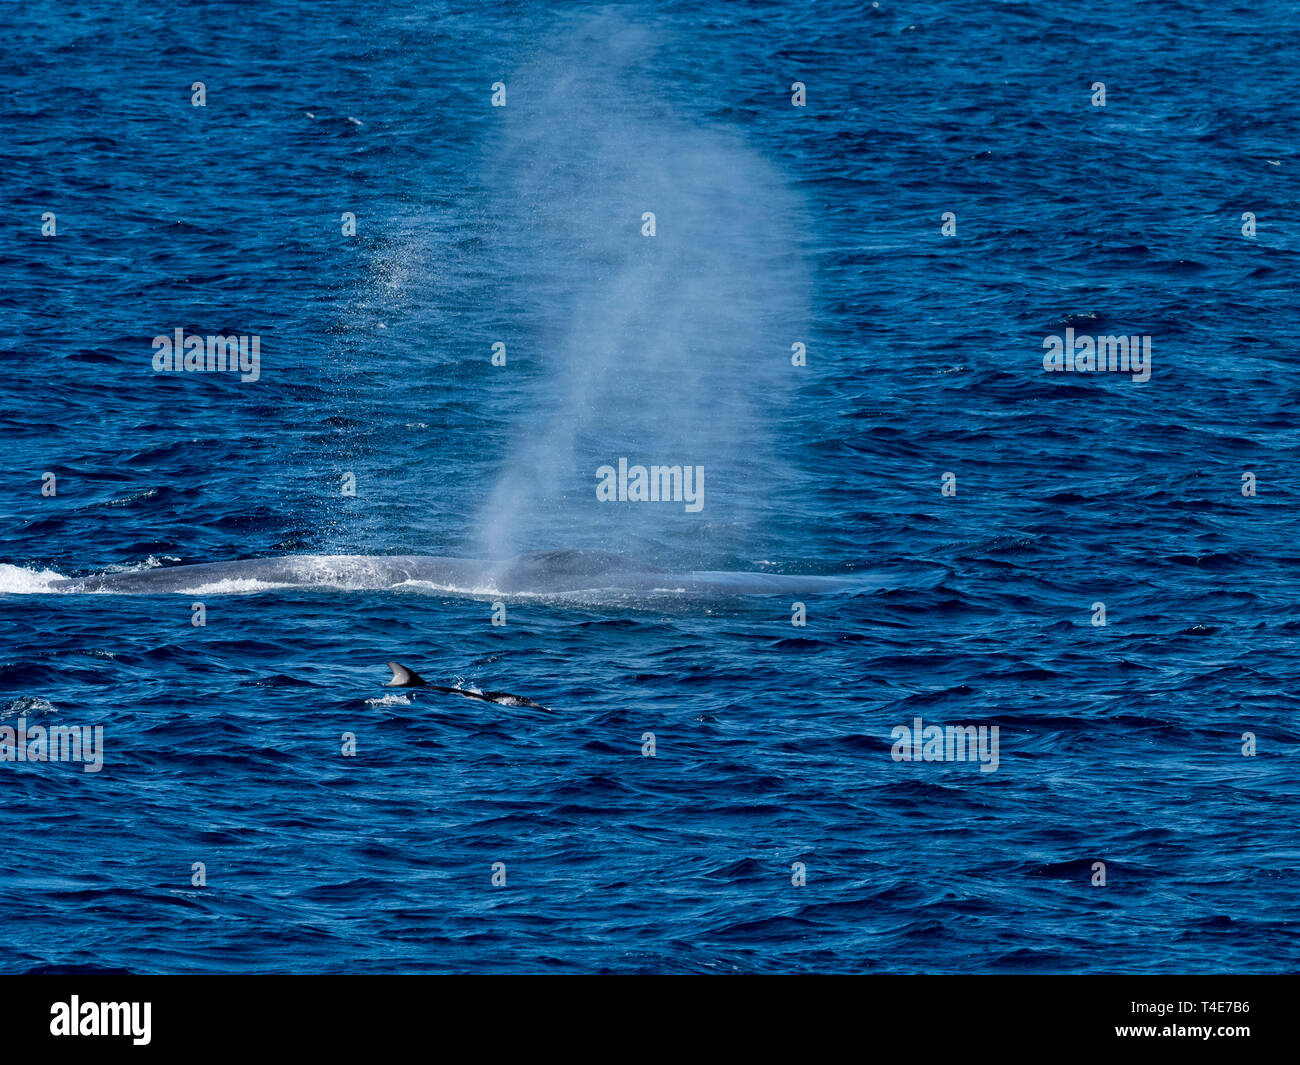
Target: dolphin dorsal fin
x=403 y=677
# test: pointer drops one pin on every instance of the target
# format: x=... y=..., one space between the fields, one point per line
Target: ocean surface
x=500 y=163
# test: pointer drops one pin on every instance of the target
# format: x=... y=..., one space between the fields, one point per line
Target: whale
x=558 y=573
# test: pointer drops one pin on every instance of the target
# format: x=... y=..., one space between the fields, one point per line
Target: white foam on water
x=19 y=580
x=231 y=586
x=28 y=706
x=152 y=562
x=453 y=589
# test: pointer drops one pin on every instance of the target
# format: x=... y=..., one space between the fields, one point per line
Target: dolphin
x=561 y=572
x=408 y=678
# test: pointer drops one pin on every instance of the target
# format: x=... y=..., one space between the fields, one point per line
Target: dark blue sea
x=818 y=252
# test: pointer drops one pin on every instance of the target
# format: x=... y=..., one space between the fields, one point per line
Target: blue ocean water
x=775 y=225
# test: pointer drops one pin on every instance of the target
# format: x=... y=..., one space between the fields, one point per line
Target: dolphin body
x=408 y=678
x=557 y=573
